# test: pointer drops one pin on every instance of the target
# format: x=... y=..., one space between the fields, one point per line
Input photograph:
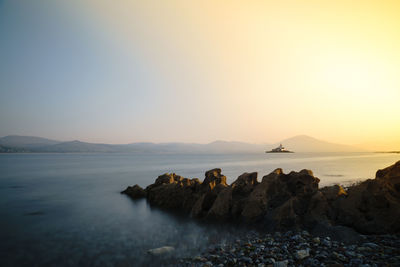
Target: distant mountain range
x=304 y=143
x=33 y=144
x=26 y=141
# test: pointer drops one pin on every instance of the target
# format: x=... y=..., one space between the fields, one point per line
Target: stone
x=301 y=254
x=339 y=256
x=316 y=240
x=201 y=259
x=281 y=263
x=371 y=245
x=247 y=259
x=161 y=251
x=326 y=243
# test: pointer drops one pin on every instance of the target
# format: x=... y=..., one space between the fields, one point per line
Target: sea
x=67 y=210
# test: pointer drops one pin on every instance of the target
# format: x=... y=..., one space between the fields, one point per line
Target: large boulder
x=221 y=208
x=230 y=201
x=372 y=206
x=391 y=172
x=281 y=198
x=213 y=184
x=257 y=201
x=173 y=192
x=213 y=178
x=245 y=183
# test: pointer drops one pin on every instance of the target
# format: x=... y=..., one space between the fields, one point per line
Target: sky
x=198 y=71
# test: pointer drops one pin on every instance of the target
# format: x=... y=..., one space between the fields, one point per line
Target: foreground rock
x=374 y=205
x=283 y=201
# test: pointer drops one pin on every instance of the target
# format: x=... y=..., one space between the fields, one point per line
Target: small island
x=279 y=149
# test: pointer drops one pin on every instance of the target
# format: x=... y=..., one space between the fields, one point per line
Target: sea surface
x=67 y=210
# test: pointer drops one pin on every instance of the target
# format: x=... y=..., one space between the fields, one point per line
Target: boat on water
x=279 y=149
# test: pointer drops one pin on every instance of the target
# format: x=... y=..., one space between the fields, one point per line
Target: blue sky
x=62 y=77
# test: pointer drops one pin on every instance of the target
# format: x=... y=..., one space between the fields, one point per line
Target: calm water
x=66 y=210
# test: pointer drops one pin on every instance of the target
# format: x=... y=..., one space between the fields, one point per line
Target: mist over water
x=66 y=209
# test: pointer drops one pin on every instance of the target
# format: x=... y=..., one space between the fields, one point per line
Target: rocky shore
x=299 y=249
x=282 y=201
x=301 y=224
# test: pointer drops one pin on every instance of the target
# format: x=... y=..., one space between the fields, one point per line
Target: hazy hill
x=301 y=143
x=381 y=145
x=80 y=147
x=304 y=143
x=26 y=141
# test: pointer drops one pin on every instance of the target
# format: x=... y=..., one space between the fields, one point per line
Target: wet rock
x=301 y=254
x=221 y=207
x=339 y=256
x=316 y=240
x=200 y=259
x=281 y=263
x=173 y=192
x=161 y=251
x=326 y=242
x=135 y=192
x=371 y=245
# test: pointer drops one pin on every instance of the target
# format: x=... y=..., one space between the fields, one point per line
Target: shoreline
x=304 y=225
x=297 y=249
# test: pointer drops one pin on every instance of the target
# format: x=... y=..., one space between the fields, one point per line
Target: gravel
x=298 y=249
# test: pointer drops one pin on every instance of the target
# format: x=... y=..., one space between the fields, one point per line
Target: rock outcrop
x=373 y=206
x=135 y=192
x=282 y=201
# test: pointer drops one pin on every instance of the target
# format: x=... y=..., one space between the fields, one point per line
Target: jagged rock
x=221 y=208
x=373 y=206
x=135 y=192
x=213 y=178
x=391 y=172
x=213 y=184
x=283 y=200
x=245 y=183
x=333 y=192
x=257 y=202
x=230 y=201
x=171 y=191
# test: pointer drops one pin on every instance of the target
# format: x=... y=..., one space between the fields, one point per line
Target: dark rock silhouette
x=282 y=201
x=134 y=192
x=374 y=205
